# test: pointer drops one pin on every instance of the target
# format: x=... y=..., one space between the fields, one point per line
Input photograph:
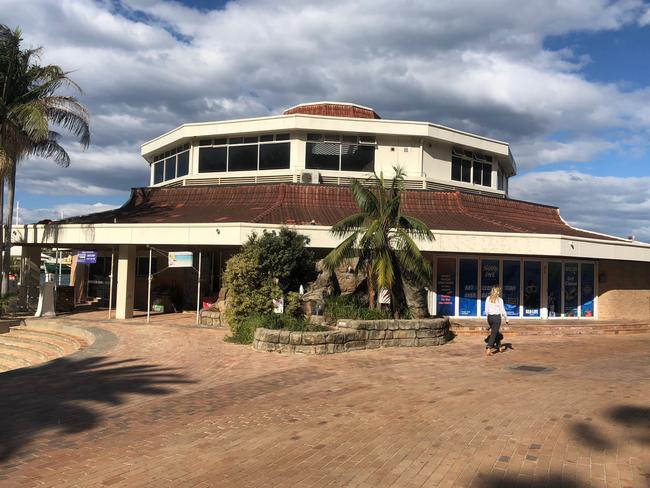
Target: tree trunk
x=372 y=291
x=6 y=260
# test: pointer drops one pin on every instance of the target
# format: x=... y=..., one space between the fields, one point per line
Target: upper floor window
x=250 y=153
x=471 y=167
x=171 y=164
x=340 y=153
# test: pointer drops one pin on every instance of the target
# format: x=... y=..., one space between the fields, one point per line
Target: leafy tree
x=267 y=266
x=382 y=237
x=284 y=255
x=31 y=107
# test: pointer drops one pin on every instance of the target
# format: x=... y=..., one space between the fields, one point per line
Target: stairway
x=39 y=341
x=552 y=327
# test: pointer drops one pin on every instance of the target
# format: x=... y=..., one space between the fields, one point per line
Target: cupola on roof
x=334 y=109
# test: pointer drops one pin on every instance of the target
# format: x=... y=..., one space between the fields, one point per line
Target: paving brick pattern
x=173 y=405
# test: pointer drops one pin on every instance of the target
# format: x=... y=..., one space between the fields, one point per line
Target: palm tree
x=30 y=110
x=383 y=240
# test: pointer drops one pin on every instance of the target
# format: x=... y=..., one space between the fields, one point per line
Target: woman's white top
x=495 y=308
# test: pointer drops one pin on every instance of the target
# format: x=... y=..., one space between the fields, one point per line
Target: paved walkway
x=173 y=405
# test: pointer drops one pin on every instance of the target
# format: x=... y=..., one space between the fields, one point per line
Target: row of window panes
x=244 y=140
x=245 y=157
x=471 y=171
x=340 y=153
x=171 y=167
x=171 y=152
x=570 y=287
x=350 y=139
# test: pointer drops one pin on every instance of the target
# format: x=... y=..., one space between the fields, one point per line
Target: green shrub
x=293 y=305
x=266 y=267
x=351 y=307
x=244 y=332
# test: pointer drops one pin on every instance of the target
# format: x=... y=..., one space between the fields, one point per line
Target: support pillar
x=125 y=281
x=30 y=276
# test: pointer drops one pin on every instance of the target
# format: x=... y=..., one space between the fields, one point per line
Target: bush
x=293 y=305
x=285 y=257
x=244 y=332
x=351 y=307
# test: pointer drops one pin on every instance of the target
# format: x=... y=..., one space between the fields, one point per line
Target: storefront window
x=554 y=298
x=511 y=277
x=468 y=284
x=532 y=288
x=570 y=289
x=489 y=278
x=446 y=287
x=587 y=290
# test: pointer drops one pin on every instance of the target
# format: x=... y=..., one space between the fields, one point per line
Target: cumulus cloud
x=148 y=65
x=608 y=204
x=60 y=211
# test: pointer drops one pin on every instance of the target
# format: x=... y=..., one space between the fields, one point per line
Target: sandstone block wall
x=354 y=335
x=210 y=318
x=623 y=290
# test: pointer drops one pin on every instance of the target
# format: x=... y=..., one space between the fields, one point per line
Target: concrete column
x=30 y=276
x=125 y=281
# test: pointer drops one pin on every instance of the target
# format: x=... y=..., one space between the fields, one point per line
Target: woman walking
x=495 y=311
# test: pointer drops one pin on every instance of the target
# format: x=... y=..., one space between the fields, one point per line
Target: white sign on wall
x=180 y=259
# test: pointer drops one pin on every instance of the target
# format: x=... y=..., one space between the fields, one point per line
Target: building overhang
x=230 y=234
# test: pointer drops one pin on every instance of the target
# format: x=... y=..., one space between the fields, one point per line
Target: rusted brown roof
x=334 y=110
x=301 y=204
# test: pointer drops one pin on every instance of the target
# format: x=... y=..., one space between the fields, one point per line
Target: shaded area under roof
x=303 y=204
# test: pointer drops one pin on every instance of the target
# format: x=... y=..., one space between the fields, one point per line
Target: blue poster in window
x=489 y=278
x=511 y=277
x=532 y=288
x=554 y=298
x=587 y=290
x=446 y=287
x=468 y=285
x=571 y=289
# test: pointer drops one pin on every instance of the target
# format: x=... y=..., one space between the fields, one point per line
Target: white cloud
x=147 y=66
x=65 y=210
x=614 y=205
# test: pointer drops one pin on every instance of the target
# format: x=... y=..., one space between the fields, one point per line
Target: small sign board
x=180 y=259
x=278 y=305
x=86 y=257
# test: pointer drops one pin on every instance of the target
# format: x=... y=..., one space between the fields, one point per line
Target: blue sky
x=566 y=83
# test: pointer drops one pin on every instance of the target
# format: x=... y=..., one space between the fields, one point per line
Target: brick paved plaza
x=173 y=405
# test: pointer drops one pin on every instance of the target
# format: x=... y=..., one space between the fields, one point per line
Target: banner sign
x=446 y=287
x=489 y=278
x=571 y=289
x=532 y=288
x=511 y=275
x=86 y=257
x=468 y=283
x=180 y=259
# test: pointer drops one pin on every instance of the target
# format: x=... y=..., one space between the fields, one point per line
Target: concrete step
x=9 y=361
x=67 y=343
x=35 y=343
x=33 y=355
x=50 y=350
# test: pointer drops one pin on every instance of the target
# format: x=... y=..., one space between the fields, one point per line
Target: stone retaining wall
x=354 y=335
x=211 y=318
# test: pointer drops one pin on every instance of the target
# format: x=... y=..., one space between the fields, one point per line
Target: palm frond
x=348 y=224
x=51 y=149
x=416 y=228
x=345 y=250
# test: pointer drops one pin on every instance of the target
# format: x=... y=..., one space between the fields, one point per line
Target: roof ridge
x=278 y=203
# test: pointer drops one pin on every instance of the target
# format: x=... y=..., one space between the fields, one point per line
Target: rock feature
x=353 y=335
